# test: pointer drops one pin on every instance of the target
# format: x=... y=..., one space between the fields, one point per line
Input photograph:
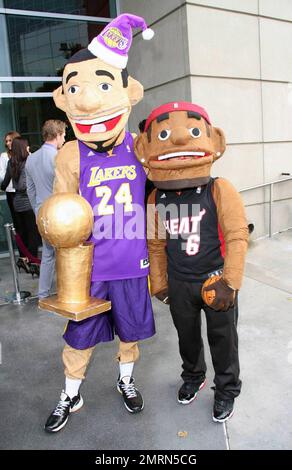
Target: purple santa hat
x=113 y=43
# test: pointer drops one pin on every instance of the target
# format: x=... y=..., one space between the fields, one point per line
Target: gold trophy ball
x=65 y=220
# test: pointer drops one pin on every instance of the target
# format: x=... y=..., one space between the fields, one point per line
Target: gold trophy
x=65 y=220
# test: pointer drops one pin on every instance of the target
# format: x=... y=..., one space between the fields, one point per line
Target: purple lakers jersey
x=114 y=185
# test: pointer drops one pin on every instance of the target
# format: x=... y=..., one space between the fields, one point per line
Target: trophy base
x=76 y=312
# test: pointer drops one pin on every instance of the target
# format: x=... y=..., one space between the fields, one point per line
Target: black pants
x=28 y=230
x=14 y=215
x=9 y=198
x=185 y=305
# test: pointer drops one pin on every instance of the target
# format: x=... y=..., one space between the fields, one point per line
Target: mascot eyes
x=105 y=87
x=163 y=135
x=195 y=132
x=73 y=89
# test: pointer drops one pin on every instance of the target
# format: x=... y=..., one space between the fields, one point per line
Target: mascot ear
x=59 y=98
x=135 y=91
x=139 y=148
x=218 y=138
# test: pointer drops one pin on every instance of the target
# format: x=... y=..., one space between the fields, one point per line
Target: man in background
x=40 y=174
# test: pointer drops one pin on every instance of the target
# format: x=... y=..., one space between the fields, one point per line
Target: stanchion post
x=8 y=229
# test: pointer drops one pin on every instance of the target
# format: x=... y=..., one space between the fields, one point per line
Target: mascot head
x=178 y=145
x=96 y=93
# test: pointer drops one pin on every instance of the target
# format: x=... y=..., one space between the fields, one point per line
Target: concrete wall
x=231 y=57
x=162 y=64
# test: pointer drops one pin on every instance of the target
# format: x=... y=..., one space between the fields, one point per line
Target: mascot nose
x=88 y=100
x=180 y=136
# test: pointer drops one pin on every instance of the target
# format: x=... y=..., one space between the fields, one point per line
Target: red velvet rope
x=25 y=251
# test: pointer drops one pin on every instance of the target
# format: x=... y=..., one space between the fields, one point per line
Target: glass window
x=27 y=115
x=41 y=46
x=101 y=8
x=28 y=87
x=4 y=41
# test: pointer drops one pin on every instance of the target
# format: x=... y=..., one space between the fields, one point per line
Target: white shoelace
x=61 y=407
x=129 y=390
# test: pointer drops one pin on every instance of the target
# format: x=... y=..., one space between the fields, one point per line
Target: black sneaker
x=59 y=417
x=188 y=392
x=133 y=399
x=223 y=410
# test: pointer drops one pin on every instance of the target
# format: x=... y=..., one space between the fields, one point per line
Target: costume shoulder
x=228 y=202
x=223 y=188
x=67 y=168
x=230 y=208
x=68 y=151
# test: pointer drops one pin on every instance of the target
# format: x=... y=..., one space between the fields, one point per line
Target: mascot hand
x=224 y=295
x=163 y=296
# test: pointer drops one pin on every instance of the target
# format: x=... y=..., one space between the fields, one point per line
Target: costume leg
x=223 y=341
x=133 y=320
x=127 y=355
x=128 y=352
x=185 y=307
x=76 y=361
x=47 y=270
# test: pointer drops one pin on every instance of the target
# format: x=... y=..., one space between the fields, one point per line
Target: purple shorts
x=131 y=316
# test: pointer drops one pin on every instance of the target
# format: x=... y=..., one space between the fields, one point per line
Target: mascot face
x=179 y=146
x=97 y=99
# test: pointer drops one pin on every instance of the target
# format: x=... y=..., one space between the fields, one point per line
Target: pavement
x=31 y=374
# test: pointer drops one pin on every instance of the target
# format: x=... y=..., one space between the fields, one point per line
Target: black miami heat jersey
x=195 y=245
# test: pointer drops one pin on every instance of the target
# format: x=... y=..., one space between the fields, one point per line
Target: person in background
x=4 y=159
x=40 y=174
x=26 y=224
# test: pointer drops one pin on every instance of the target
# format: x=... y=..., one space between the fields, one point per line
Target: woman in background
x=26 y=224
x=4 y=159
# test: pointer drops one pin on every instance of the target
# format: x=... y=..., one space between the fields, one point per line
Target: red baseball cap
x=176 y=106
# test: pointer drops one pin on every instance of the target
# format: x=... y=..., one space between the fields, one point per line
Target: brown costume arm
x=67 y=169
x=156 y=237
x=233 y=223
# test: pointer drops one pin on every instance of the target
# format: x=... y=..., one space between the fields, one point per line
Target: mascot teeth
x=181 y=154
x=102 y=118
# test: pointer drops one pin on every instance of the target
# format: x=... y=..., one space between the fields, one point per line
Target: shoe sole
x=194 y=397
x=74 y=409
x=127 y=408
x=223 y=420
x=78 y=406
